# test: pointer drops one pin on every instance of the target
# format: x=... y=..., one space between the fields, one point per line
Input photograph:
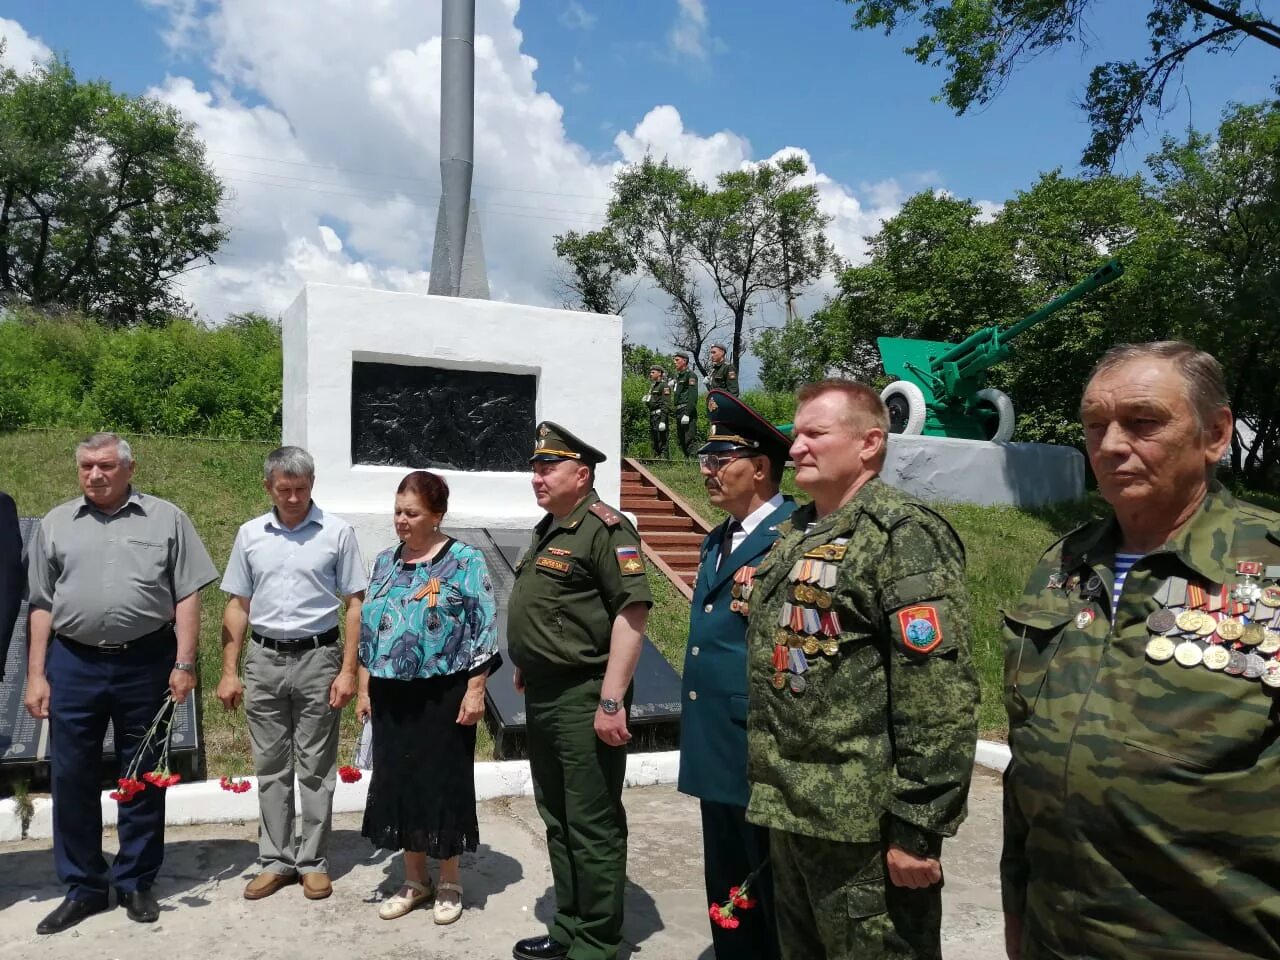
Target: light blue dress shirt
x=294 y=577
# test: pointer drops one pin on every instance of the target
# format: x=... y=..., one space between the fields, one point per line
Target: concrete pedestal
x=988 y=474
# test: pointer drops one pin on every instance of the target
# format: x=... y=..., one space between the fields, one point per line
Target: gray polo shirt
x=293 y=578
x=111 y=578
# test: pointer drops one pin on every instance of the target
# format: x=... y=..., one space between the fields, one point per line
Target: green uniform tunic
x=1141 y=804
x=685 y=386
x=862 y=719
x=723 y=376
x=658 y=400
x=578 y=574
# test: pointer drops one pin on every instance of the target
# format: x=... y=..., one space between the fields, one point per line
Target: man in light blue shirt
x=289 y=573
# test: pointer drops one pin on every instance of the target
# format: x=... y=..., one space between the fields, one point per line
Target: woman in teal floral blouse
x=428 y=641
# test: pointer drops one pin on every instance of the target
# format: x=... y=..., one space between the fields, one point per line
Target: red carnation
x=235 y=785
x=349 y=774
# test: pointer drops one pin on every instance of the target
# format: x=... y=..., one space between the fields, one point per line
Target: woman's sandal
x=447 y=911
x=401 y=902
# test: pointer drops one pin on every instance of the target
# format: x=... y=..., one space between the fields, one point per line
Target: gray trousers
x=293 y=730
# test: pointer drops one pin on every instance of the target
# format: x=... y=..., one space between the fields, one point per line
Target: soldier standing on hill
x=658 y=400
x=685 y=386
x=723 y=375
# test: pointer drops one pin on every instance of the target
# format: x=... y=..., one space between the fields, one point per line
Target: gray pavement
x=508 y=894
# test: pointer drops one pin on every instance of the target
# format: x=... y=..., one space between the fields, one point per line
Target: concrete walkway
x=508 y=894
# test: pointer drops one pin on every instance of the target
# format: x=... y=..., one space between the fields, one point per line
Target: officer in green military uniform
x=723 y=375
x=862 y=695
x=575 y=624
x=741 y=464
x=684 y=387
x=658 y=400
x=1141 y=679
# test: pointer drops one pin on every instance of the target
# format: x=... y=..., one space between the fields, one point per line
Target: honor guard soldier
x=685 y=393
x=1141 y=680
x=741 y=466
x=575 y=625
x=658 y=400
x=115 y=578
x=863 y=698
x=723 y=375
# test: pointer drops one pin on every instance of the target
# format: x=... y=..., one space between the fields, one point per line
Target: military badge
x=551 y=563
x=559 y=551
x=921 y=631
x=1084 y=618
x=711 y=404
x=629 y=561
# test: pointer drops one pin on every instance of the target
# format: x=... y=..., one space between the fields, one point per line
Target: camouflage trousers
x=834 y=902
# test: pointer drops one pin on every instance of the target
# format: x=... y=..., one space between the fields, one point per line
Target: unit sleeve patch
x=629 y=560
x=920 y=627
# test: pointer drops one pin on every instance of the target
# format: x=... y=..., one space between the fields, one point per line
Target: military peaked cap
x=735 y=426
x=554 y=442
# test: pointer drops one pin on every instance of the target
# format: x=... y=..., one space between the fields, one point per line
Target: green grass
x=1001 y=544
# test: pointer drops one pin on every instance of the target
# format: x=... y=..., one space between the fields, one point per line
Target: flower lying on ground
x=235 y=784
x=349 y=774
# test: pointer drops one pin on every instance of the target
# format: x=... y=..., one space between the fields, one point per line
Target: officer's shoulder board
x=606 y=513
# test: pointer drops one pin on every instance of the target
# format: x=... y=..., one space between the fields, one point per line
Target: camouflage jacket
x=1141 y=804
x=878 y=743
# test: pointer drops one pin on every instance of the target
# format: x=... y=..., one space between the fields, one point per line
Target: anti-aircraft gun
x=942 y=389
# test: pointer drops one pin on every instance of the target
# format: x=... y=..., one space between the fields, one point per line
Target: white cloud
x=689 y=36
x=576 y=17
x=21 y=50
x=323 y=121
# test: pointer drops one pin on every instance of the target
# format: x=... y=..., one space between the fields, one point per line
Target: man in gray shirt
x=114 y=579
x=287 y=570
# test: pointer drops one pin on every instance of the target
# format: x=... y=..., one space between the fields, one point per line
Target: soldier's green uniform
x=1141 y=803
x=569 y=587
x=862 y=720
x=658 y=400
x=685 y=387
x=723 y=376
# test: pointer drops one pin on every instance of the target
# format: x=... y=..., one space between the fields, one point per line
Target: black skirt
x=422 y=796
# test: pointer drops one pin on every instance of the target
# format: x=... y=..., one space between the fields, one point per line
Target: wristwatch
x=185 y=666
x=610 y=706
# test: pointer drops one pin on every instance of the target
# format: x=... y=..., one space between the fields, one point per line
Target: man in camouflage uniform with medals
x=722 y=375
x=575 y=624
x=1141 y=679
x=685 y=387
x=658 y=401
x=863 y=697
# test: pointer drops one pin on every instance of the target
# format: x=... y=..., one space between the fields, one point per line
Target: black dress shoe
x=140 y=905
x=540 y=948
x=68 y=914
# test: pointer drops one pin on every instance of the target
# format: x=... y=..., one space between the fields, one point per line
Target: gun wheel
x=906 y=406
x=1006 y=420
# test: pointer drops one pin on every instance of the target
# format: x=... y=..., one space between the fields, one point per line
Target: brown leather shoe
x=267 y=883
x=316 y=886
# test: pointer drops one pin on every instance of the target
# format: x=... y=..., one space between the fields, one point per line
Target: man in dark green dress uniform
x=685 y=387
x=575 y=625
x=722 y=375
x=741 y=465
x=1142 y=669
x=863 y=697
x=658 y=400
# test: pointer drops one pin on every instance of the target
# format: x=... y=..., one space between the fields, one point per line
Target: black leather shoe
x=540 y=948
x=68 y=914
x=140 y=905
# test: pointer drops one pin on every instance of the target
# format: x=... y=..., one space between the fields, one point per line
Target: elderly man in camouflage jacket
x=1141 y=681
x=862 y=695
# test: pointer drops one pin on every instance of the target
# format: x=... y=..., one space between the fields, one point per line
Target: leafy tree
x=104 y=198
x=981 y=43
x=595 y=272
x=791 y=354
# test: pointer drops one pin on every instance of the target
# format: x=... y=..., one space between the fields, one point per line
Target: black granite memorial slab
x=441 y=418
x=23 y=739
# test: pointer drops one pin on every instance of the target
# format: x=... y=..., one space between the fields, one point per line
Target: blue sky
x=325 y=98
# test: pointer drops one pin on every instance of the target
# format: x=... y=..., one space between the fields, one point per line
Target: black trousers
x=731 y=849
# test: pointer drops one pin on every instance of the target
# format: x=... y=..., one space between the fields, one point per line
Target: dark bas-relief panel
x=433 y=417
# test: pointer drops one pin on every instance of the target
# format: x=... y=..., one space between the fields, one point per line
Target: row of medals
x=1236 y=640
x=808 y=626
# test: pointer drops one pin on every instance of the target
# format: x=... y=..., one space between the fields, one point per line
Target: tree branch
x=1259 y=29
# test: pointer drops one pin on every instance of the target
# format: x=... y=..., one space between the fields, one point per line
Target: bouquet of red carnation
x=235 y=784
x=722 y=914
x=134 y=781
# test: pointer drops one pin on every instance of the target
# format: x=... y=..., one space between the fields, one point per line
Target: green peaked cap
x=736 y=426
x=554 y=442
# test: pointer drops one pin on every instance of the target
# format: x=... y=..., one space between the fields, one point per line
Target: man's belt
x=163 y=633
x=298 y=643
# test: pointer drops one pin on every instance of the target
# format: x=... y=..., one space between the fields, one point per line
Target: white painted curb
x=994 y=756
x=207 y=802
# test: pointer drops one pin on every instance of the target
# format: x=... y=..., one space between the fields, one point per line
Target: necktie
x=726 y=545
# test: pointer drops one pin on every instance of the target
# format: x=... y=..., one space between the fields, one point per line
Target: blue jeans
x=88 y=690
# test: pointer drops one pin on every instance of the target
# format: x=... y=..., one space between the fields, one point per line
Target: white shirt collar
x=314 y=515
x=758 y=515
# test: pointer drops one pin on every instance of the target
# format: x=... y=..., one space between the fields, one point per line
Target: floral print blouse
x=423 y=620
